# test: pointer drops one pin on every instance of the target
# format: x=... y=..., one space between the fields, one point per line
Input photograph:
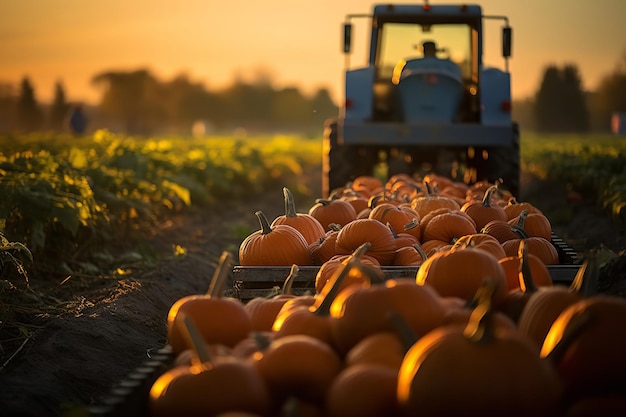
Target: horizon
x=290 y=45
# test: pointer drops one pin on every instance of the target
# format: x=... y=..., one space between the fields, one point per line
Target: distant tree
x=134 y=98
x=59 y=108
x=7 y=107
x=610 y=96
x=291 y=108
x=29 y=114
x=560 y=104
x=575 y=109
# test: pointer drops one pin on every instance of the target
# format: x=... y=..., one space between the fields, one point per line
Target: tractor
x=424 y=102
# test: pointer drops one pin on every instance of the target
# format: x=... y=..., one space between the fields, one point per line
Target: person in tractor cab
x=429 y=48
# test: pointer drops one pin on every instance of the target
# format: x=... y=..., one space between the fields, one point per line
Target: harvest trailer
x=425 y=101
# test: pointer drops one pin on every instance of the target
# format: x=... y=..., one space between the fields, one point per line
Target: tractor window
x=403 y=41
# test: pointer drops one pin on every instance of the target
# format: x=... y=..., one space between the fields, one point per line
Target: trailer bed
x=247 y=282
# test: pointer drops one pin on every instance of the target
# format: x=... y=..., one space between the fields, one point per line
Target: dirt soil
x=72 y=360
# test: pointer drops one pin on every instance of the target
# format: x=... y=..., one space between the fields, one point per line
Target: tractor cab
x=425 y=63
x=421 y=98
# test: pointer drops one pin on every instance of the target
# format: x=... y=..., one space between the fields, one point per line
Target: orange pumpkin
x=278 y=245
x=395 y=215
x=202 y=308
x=480 y=241
x=310 y=228
x=359 y=312
x=448 y=227
x=360 y=231
x=300 y=366
x=460 y=273
x=484 y=211
x=486 y=373
x=335 y=210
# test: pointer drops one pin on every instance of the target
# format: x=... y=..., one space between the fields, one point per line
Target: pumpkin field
x=102 y=234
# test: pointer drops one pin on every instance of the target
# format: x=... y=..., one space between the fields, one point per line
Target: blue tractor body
x=416 y=109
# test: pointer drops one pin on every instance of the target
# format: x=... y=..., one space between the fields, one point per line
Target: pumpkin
x=324 y=248
x=502 y=230
x=278 y=245
x=263 y=310
x=367 y=182
x=310 y=228
x=315 y=320
x=213 y=386
x=431 y=215
x=358 y=200
x=460 y=273
x=360 y=231
x=396 y=216
x=543 y=308
x=328 y=268
x=425 y=204
x=538 y=246
x=472 y=370
x=512 y=266
x=484 y=211
x=334 y=210
x=412 y=255
x=359 y=311
x=448 y=227
x=586 y=344
x=513 y=208
x=480 y=241
x=534 y=224
x=364 y=390
x=518 y=297
x=298 y=365
x=384 y=348
x=203 y=308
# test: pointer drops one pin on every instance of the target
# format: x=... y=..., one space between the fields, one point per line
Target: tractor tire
x=343 y=163
x=337 y=162
x=504 y=163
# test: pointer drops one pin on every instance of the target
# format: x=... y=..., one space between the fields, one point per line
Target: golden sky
x=295 y=42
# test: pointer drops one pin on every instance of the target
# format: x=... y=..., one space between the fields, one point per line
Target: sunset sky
x=296 y=42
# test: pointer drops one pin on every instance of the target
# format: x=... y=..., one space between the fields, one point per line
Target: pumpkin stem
x=419 y=250
x=216 y=287
x=265 y=224
x=518 y=228
x=480 y=328
x=402 y=328
x=324 y=201
x=527 y=284
x=585 y=282
x=577 y=326
x=290 y=206
x=335 y=227
x=486 y=202
x=429 y=188
x=323 y=308
x=288 y=284
x=373 y=200
x=194 y=339
x=411 y=225
x=393 y=232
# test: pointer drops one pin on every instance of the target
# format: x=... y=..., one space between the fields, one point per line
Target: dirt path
x=72 y=361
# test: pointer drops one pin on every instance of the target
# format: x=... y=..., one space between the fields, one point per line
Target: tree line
x=136 y=102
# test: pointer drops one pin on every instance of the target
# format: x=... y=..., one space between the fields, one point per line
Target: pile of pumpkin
x=479 y=330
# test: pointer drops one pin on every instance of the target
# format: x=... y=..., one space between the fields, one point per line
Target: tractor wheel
x=338 y=160
x=343 y=163
x=504 y=163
